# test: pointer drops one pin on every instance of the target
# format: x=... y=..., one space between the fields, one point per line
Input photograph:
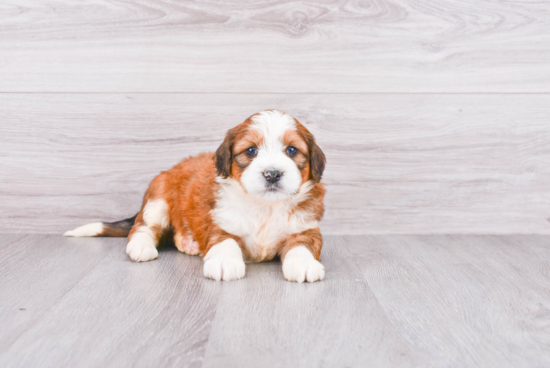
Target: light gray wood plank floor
x=387 y=301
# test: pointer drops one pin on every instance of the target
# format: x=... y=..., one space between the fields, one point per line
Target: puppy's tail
x=116 y=229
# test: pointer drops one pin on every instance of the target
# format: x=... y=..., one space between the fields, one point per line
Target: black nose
x=272 y=176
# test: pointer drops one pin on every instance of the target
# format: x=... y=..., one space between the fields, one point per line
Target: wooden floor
x=387 y=301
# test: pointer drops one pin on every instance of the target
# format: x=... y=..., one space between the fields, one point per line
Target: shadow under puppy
x=258 y=196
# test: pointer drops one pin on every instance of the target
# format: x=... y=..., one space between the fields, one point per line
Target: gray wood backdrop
x=434 y=115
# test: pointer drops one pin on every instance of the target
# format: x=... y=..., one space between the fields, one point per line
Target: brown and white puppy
x=258 y=196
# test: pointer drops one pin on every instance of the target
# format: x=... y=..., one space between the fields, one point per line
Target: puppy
x=258 y=196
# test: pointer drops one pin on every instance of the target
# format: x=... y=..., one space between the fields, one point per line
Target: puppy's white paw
x=141 y=249
x=224 y=268
x=300 y=265
x=224 y=261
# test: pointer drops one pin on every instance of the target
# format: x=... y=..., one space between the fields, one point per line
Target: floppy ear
x=317 y=161
x=224 y=155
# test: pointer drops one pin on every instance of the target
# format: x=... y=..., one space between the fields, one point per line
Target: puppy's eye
x=251 y=152
x=291 y=151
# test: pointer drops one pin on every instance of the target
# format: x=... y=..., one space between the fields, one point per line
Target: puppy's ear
x=317 y=158
x=224 y=155
x=317 y=161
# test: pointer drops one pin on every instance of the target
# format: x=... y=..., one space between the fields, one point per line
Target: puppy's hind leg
x=185 y=243
x=151 y=222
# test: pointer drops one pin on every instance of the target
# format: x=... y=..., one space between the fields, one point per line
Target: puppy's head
x=271 y=155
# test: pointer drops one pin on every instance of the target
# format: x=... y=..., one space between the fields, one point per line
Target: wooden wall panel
x=317 y=46
x=397 y=163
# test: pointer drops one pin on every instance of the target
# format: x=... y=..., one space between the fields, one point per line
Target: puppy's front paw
x=141 y=249
x=299 y=265
x=224 y=268
x=224 y=261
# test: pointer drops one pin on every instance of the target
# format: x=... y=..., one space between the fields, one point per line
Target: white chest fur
x=261 y=225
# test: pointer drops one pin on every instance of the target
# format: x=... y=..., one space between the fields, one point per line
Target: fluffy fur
x=257 y=197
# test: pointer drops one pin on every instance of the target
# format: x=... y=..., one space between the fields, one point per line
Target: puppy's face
x=271 y=155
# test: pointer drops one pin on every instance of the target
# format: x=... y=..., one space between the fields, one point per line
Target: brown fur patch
x=189 y=189
x=295 y=139
x=311 y=239
x=224 y=153
x=246 y=139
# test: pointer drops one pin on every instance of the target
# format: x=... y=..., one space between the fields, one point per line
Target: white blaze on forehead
x=273 y=124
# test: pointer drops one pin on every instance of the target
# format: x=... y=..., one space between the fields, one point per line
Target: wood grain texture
x=396 y=163
x=274 y=46
x=467 y=301
x=36 y=272
x=265 y=321
x=121 y=314
x=386 y=301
